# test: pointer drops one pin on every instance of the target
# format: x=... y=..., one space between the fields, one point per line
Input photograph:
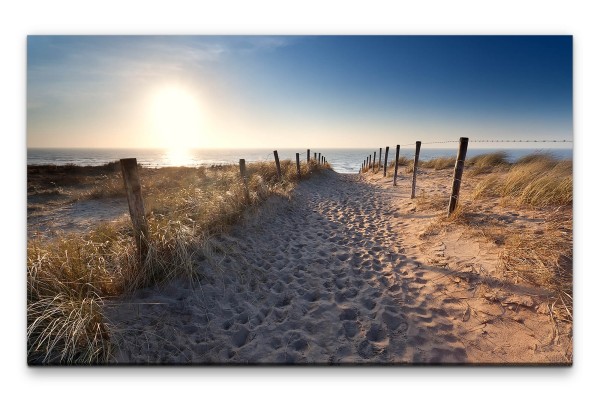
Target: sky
x=296 y=91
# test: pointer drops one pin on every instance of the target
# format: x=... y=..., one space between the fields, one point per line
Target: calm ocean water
x=342 y=160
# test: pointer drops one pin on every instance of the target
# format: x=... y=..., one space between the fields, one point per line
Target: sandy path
x=318 y=279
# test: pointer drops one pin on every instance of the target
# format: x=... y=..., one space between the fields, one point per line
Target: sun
x=175 y=118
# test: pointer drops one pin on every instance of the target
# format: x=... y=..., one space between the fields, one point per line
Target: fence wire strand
x=495 y=141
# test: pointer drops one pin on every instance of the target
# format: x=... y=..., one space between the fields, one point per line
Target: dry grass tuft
x=486 y=163
x=440 y=163
x=537 y=181
x=544 y=257
x=66 y=280
x=69 y=277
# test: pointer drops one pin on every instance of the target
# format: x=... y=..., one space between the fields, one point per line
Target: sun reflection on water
x=179 y=157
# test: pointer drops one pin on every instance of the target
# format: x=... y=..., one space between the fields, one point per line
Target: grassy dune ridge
x=68 y=277
x=538 y=183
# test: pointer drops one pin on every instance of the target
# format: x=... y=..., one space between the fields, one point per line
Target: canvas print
x=303 y=200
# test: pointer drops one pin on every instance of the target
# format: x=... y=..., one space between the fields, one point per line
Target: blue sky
x=295 y=91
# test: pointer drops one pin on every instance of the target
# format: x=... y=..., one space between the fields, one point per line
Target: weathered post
x=244 y=179
x=315 y=154
x=374 y=156
x=319 y=158
x=387 y=149
x=396 y=165
x=136 y=205
x=458 y=170
x=416 y=163
x=379 y=164
x=307 y=156
x=298 y=164
x=369 y=165
x=277 y=165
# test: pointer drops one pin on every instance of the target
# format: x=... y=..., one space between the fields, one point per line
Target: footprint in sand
x=376 y=333
x=240 y=337
x=348 y=314
x=369 y=303
x=351 y=328
x=394 y=321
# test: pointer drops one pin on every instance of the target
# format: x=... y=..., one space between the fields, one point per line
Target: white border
x=299 y=17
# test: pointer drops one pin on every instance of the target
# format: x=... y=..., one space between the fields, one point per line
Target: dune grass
x=542 y=253
x=486 y=163
x=439 y=163
x=537 y=180
x=544 y=257
x=68 y=278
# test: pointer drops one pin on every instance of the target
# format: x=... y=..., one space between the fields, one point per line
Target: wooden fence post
x=458 y=170
x=136 y=205
x=298 y=164
x=307 y=156
x=315 y=154
x=396 y=165
x=374 y=156
x=244 y=179
x=277 y=165
x=387 y=149
x=379 y=164
x=369 y=165
x=319 y=158
x=416 y=163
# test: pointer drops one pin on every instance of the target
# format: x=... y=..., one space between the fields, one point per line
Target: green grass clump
x=70 y=277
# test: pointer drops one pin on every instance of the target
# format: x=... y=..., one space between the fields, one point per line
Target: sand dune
x=334 y=275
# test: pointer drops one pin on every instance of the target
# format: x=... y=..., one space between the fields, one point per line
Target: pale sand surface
x=338 y=274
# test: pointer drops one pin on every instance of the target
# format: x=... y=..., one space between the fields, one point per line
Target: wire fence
x=496 y=141
x=371 y=163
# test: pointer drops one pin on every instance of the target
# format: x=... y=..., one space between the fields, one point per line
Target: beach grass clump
x=402 y=161
x=537 y=180
x=69 y=277
x=544 y=257
x=439 y=163
x=486 y=163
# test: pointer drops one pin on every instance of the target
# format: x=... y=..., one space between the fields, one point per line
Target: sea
x=341 y=160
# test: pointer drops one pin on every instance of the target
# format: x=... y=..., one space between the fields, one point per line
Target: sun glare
x=175 y=117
